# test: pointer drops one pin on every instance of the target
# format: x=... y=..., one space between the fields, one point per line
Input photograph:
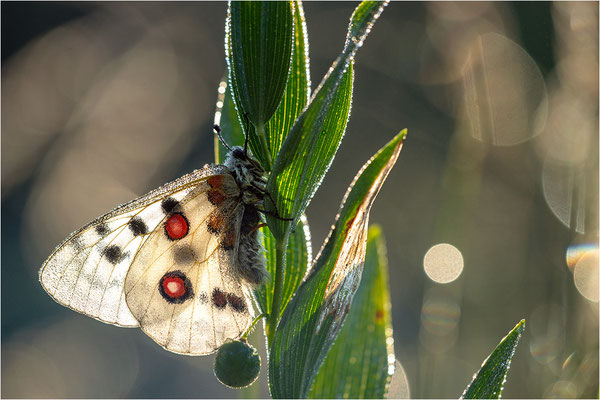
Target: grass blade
x=310 y=147
x=297 y=89
x=360 y=363
x=314 y=316
x=488 y=382
x=298 y=258
x=259 y=37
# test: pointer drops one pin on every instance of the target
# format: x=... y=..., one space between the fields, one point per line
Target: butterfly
x=180 y=262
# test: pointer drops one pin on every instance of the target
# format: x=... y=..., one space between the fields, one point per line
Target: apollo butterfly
x=180 y=262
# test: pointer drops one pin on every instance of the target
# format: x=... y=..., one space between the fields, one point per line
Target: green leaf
x=310 y=147
x=314 y=316
x=488 y=382
x=359 y=363
x=298 y=257
x=297 y=89
x=259 y=37
x=294 y=98
x=226 y=116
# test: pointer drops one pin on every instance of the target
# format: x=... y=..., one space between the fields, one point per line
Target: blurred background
x=490 y=215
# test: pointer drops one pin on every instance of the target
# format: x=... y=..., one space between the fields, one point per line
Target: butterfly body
x=250 y=177
x=180 y=262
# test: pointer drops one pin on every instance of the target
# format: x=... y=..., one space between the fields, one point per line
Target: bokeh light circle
x=585 y=275
x=440 y=315
x=576 y=251
x=504 y=94
x=561 y=390
x=443 y=263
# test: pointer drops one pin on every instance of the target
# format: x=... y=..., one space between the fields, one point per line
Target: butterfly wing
x=87 y=271
x=182 y=286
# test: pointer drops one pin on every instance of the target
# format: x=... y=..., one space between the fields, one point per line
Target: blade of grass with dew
x=309 y=148
x=298 y=258
x=297 y=90
x=488 y=382
x=258 y=38
x=295 y=98
x=361 y=361
x=314 y=315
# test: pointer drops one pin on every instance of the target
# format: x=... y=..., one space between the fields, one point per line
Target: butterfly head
x=248 y=173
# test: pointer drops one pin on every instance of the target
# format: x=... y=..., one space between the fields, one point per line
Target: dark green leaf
x=310 y=147
x=361 y=360
x=297 y=90
x=489 y=380
x=361 y=22
x=315 y=314
x=259 y=39
x=298 y=257
x=294 y=99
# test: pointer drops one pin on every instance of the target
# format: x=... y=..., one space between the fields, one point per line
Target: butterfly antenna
x=247 y=134
x=217 y=129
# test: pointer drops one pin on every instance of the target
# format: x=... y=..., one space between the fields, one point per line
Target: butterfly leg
x=276 y=213
x=257 y=227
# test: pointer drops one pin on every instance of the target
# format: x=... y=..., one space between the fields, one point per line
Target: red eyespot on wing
x=215 y=197
x=173 y=287
x=177 y=226
x=215 y=181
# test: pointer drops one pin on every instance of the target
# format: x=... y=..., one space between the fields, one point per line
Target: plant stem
x=262 y=135
x=280 y=247
x=245 y=335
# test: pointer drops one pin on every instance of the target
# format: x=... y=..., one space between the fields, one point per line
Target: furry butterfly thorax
x=180 y=262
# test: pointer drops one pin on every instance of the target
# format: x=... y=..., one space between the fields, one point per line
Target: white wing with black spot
x=87 y=271
x=185 y=289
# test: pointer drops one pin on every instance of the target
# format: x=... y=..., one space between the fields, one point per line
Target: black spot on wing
x=102 y=229
x=169 y=205
x=76 y=243
x=138 y=227
x=113 y=253
x=203 y=297
x=237 y=303
x=184 y=254
x=219 y=298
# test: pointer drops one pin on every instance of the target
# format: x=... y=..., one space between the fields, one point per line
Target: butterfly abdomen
x=251 y=262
